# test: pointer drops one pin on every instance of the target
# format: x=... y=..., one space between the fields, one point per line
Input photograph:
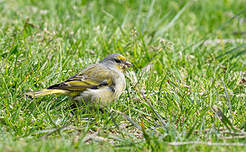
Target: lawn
x=186 y=90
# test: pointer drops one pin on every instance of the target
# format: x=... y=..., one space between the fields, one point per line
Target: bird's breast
x=120 y=85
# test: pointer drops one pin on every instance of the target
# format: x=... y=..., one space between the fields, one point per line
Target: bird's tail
x=46 y=92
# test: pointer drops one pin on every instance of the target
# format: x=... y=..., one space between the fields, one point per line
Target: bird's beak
x=128 y=64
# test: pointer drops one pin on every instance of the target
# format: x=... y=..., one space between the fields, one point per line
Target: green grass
x=191 y=92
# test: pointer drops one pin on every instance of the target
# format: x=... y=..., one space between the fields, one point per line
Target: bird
x=102 y=82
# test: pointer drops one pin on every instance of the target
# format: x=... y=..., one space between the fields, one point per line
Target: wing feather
x=94 y=76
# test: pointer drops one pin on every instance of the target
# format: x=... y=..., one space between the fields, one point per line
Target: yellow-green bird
x=103 y=82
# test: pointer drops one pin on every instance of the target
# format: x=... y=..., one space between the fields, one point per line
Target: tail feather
x=45 y=92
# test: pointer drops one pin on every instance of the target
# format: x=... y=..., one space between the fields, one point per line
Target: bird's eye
x=117 y=60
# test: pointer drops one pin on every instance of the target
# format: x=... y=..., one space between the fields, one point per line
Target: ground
x=185 y=92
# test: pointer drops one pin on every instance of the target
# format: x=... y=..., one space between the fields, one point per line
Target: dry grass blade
x=147 y=68
x=129 y=119
x=58 y=129
x=223 y=118
x=156 y=113
x=93 y=137
x=223 y=41
x=234 y=137
x=205 y=143
x=228 y=100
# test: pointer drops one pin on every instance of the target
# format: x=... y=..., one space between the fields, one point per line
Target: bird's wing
x=94 y=76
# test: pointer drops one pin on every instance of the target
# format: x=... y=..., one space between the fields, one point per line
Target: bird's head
x=117 y=60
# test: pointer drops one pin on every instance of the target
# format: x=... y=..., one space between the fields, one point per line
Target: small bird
x=103 y=82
